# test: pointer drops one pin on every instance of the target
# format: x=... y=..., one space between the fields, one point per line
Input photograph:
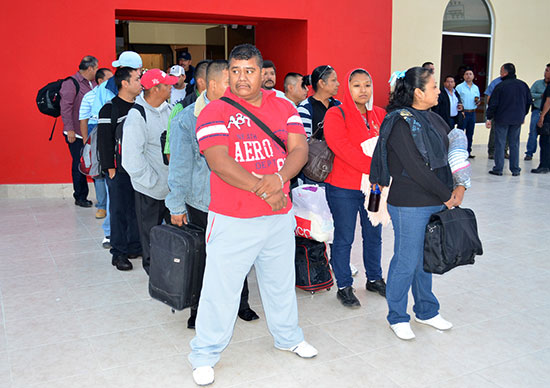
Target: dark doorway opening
x=461 y=52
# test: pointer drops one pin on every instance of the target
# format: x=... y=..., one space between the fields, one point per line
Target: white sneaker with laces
x=203 y=375
x=354 y=269
x=303 y=349
x=403 y=330
x=437 y=322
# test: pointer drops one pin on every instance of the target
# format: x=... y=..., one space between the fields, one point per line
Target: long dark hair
x=319 y=73
x=403 y=93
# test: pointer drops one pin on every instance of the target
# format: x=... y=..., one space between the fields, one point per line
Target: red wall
x=43 y=41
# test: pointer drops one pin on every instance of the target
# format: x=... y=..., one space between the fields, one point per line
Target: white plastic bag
x=313 y=216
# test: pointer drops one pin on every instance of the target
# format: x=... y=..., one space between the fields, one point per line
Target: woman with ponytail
x=324 y=82
x=413 y=150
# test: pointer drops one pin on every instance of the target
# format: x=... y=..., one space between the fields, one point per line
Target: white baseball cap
x=177 y=70
x=128 y=59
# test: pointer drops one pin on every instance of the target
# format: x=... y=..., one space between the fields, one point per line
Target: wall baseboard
x=54 y=190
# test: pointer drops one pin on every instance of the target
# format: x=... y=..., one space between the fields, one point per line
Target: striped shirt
x=85 y=111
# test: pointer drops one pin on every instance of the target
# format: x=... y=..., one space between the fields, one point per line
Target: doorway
x=467 y=44
x=159 y=44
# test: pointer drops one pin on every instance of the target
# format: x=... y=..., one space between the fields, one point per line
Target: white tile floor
x=69 y=319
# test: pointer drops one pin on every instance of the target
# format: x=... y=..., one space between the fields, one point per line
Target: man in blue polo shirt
x=469 y=92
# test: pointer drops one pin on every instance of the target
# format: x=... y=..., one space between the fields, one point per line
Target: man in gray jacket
x=142 y=155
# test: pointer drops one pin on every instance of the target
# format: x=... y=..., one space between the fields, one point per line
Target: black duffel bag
x=451 y=240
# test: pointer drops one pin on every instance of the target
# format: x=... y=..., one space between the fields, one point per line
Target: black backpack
x=119 y=133
x=48 y=99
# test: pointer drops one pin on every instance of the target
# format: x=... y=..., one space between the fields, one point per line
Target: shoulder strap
x=341 y=110
x=256 y=120
x=141 y=110
x=319 y=128
x=75 y=82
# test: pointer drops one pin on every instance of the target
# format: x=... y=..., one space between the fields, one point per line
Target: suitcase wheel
x=328 y=289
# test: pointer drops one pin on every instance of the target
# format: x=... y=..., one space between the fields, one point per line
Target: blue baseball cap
x=129 y=59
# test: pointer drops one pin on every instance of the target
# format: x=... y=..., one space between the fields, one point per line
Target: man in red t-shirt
x=249 y=219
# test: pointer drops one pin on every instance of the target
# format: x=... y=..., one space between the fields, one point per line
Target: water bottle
x=374 y=199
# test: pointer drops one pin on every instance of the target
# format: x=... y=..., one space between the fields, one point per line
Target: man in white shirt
x=178 y=92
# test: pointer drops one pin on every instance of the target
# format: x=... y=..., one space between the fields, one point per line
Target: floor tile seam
x=99 y=249
x=134 y=328
x=253 y=338
x=329 y=333
x=63 y=288
x=504 y=362
x=131 y=364
x=138 y=327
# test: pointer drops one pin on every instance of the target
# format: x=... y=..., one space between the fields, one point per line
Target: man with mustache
x=249 y=218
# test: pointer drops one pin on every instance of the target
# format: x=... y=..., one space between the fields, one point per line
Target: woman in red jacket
x=346 y=127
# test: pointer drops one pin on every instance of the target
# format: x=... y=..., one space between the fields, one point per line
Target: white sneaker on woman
x=203 y=375
x=438 y=322
x=354 y=269
x=403 y=330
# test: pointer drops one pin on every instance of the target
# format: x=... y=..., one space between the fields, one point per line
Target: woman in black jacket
x=412 y=149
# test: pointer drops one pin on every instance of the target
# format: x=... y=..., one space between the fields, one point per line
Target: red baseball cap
x=154 y=77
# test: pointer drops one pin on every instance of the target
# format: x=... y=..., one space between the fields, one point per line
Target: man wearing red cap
x=142 y=154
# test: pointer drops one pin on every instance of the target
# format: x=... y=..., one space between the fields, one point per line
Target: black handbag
x=451 y=240
x=320 y=157
x=544 y=130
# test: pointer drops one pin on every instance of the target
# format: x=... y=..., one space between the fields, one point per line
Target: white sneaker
x=303 y=349
x=438 y=322
x=354 y=269
x=403 y=330
x=203 y=375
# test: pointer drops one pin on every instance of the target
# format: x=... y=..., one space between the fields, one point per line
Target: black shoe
x=248 y=315
x=377 y=286
x=122 y=263
x=515 y=174
x=528 y=157
x=493 y=172
x=191 y=321
x=491 y=156
x=540 y=170
x=506 y=155
x=134 y=256
x=471 y=156
x=348 y=298
x=83 y=203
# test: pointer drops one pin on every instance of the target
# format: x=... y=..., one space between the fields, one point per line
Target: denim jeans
x=107 y=221
x=344 y=205
x=469 y=126
x=532 y=140
x=407 y=265
x=101 y=193
x=502 y=133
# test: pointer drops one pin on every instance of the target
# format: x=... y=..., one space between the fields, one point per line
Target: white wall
x=520 y=30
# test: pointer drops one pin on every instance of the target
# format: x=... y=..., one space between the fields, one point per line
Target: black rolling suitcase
x=312 y=269
x=178 y=257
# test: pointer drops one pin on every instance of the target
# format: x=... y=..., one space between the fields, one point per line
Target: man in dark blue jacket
x=508 y=106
